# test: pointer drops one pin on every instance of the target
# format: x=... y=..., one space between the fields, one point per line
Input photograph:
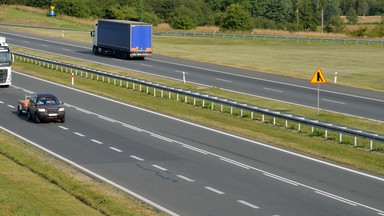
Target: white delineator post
x=73 y=78
x=335 y=77
x=183 y=76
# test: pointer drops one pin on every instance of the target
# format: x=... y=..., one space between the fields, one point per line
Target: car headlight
x=61 y=109
x=41 y=110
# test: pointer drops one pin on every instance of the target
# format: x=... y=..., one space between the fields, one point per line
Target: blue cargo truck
x=122 y=38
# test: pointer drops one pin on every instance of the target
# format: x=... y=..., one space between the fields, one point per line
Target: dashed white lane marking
x=79 y=134
x=161 y=137
x=11 y=106
x=195 y=149
x=185 y=178
x=248 y=204
x=116 y=149
x=214 y=190
x=235 y=163
x=223 y=80
x=44 y=45
x=97 y=141
x=137 y=158
x=333 y=101
x=147 y=65
x=159 y=167
x=65 y=49
x=1 y=102
x=341 y=199
x=282 y=179
x=270 y=89
x=64 y=128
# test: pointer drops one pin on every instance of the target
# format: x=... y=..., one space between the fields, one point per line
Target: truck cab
x=5 y=63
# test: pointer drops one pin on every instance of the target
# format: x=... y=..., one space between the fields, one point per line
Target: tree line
x=229 y=15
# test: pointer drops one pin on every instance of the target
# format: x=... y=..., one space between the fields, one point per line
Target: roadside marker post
x=73 y=78
x=184 y=77
x=335 y=81
x=318 y=78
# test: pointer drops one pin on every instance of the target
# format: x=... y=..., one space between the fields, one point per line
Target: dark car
x=45 y=107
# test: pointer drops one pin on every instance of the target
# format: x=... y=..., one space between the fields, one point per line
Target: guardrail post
x=140 y=87
x=147 y=90
x=162 y=93
x=177 y=97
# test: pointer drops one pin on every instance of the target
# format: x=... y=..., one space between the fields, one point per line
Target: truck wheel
x=94 y=49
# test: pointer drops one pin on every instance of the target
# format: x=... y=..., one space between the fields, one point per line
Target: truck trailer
x=5 y=63
x=122 y=38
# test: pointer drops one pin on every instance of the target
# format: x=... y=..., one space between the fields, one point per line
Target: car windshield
x=47 y=100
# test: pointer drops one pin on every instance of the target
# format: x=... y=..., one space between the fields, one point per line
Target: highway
x=187 y=168
x=351 y=101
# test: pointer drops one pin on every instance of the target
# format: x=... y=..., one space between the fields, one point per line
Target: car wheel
x=62 y=120
x=29 y=115
x=19 y=111
x=37 y=119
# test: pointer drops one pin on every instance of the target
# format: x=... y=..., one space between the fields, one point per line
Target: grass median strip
x=305 y=141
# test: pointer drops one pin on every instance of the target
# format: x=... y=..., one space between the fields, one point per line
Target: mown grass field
x=358 y=65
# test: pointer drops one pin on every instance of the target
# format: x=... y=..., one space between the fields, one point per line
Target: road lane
x=147 y=153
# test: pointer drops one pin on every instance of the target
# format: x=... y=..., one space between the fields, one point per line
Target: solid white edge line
x=217 y=131
x=214 y=190
x=95 y=175
x=248 y=204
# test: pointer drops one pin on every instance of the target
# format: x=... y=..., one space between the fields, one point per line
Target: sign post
x=318 y=78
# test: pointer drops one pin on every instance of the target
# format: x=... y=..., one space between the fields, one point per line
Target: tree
x=236 y=18
x=279 y=11
x=363 y=7
x=351 y=16
x=307 y=16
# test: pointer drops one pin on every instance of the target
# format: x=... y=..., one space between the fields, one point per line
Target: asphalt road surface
x=351 y=101
x=187 y=168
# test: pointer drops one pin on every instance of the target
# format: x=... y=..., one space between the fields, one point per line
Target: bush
x=378 y=31
x=182 y=22
x=361 y=32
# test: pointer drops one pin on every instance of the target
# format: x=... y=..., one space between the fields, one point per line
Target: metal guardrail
x=252 y=36
x=204 y=97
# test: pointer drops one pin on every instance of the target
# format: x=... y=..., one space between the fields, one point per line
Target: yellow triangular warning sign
x=318 y=77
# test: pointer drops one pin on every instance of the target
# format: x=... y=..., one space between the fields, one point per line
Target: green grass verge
x=34 y=183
